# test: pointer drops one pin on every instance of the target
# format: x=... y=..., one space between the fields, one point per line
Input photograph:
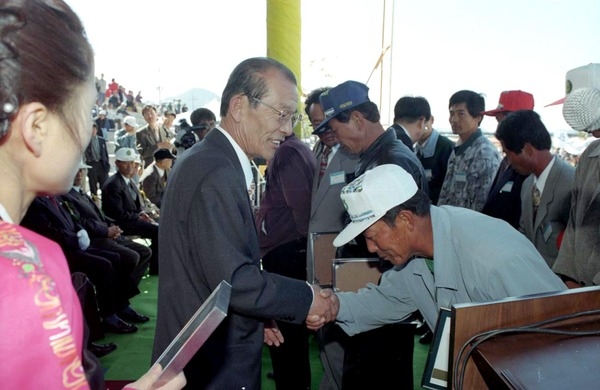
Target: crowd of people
x=450 y=222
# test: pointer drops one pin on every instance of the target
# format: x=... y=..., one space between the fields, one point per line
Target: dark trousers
x=145 y=230
x=291 y=366
x=97 y=175
x=381 y=358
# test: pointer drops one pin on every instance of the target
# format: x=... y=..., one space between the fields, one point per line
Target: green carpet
x=132 y=357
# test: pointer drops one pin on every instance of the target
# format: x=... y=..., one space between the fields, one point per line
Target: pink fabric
x=41 y=325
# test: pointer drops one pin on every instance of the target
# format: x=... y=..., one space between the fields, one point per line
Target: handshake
x=324 y=309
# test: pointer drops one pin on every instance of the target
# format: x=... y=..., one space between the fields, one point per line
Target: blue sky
x=438 y=46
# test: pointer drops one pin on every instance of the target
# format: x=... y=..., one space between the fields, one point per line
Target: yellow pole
x=284 y=38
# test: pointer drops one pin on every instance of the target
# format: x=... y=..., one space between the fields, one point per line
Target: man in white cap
x=442 y=255
x=578 y=262
x=128 y=138
x=123 y=202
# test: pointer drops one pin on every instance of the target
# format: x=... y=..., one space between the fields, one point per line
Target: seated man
x=122 y=201
x=104 y=234
x=154 y=178
x=442 y=255
x=49 y=217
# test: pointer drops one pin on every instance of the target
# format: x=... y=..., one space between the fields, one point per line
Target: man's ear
x=31 y=122
x=236 y=106
x=405 y=218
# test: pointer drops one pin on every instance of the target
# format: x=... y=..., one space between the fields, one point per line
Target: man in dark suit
x=122 y=202
x=96 y=156
x=154 y=178
x=504 y=199
x=401 y=131
x=413 y=113
x=152 y=136
x=208 y=233
x=546 y=193
x=103 y=232
x=49 y=217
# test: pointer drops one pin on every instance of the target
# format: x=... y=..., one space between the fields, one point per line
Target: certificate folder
x=197 y=330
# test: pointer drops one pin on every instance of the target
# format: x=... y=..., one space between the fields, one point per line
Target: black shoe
x=426 y=338
x=131 y=315
x=119 y=326
x=102 y=349
x=271 y=375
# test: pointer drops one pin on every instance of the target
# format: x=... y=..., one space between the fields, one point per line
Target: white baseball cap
x=125 y=154
x=582 y=109
x=373 y=194
x=130 y=120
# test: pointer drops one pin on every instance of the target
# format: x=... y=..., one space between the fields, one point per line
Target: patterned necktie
x=324 y=161
x=536 y=196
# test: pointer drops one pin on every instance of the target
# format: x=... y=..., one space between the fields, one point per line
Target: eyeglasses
x=283 y=116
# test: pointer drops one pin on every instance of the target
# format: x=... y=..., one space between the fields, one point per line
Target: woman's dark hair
x=45 y=57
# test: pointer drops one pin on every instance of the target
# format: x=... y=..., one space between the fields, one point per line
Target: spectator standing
x=355 y=121
x=504 y=199
x=282 y=224
x=474 y=160
x=335 y=168
x=128 y=138
x=546 y=192
x=578 y=261
x=432 y=149
x=152 y=136
x=96 y=156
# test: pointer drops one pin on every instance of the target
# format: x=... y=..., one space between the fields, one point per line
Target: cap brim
x=322 y=127
x=353 y=230
x=559 y=101
x=493 y=112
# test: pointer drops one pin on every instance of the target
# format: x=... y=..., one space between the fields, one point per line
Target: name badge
x=547 y=231
x=337 y=178
x=460 y=177
x=428 y=174
x=507 y=187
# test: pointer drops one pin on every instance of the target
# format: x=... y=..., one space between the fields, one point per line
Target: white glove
x=83 y=239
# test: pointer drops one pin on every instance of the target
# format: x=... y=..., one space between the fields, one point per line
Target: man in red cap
x=504 y=198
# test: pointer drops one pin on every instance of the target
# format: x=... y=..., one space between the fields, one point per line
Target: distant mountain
x=195 y=98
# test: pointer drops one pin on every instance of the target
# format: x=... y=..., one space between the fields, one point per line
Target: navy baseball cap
x=341 y=98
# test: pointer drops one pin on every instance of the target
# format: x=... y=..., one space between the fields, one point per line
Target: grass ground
x=132 y=357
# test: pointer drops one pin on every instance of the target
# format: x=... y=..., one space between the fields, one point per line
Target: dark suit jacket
x=207 y=235
x=118 y=204
x=504 y=198
x=402 y=136
x=54 y=223
x=553 y=211
x=89 y=157
x=90 y=216
x=154 y=187
x=146 y=142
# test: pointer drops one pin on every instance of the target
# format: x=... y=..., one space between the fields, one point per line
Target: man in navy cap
x=354 y=119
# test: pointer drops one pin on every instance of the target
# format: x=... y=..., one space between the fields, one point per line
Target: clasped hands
x=324 y=309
